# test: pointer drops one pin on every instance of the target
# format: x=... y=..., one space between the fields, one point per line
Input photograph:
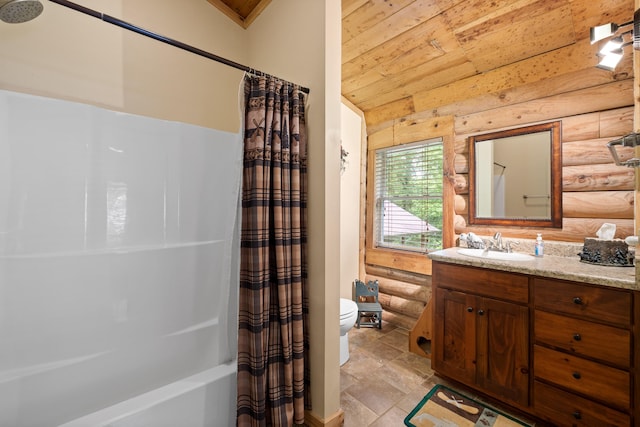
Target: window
x=409 y=196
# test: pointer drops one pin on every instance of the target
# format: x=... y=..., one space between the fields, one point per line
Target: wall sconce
x=613 y=51
x=607 y=30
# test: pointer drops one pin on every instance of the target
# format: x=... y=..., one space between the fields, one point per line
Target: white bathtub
x=118 y=338
x=119 y=253
x=206 y=399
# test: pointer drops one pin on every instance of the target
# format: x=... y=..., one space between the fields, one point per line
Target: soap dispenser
x=539 y=248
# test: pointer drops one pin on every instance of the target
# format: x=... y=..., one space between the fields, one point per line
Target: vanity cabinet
x=582 y=353
x=560 y=350
x=481 y=335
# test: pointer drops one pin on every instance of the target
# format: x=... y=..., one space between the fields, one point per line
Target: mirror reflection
x=516 y=171
x=515 y=177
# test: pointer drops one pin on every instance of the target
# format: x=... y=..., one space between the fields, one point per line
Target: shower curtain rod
x=155 y=36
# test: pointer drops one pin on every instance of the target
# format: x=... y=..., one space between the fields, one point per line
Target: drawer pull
x=480 y=312
x=576 y=375
x=577 y=300
x=577 y=337
x=577 y=415
x=470 y=309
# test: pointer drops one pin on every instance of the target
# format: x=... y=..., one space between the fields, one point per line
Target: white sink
x=501 y=256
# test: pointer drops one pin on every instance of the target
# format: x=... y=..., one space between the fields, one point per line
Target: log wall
x=595 y=190
x=403 y=295
x=594 y=107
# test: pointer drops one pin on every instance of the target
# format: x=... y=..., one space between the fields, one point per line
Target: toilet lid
x=347 y=307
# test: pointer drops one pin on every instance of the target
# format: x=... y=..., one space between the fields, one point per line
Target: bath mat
x=443 y=407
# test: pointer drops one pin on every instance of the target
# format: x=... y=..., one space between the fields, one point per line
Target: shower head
x=18 y=11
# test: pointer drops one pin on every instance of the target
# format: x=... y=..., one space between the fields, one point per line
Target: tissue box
x=606 y=252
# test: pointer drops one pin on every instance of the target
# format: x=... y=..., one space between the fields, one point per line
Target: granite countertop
x=552 y=266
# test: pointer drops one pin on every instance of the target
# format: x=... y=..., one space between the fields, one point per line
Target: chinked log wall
x=594 y=106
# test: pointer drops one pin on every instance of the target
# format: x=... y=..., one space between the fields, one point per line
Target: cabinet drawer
x=596 y=303
x=603 y=383
x=481 y=281
x=567 y=409
x=607 y=343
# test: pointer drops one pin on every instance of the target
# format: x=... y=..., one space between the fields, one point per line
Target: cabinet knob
x=577 y=300
x=577 y=337
x=480 y=312
x=577 y=415
x=576 y=375
x=470 y=309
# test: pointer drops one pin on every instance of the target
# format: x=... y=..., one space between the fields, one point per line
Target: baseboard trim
x=335 y=420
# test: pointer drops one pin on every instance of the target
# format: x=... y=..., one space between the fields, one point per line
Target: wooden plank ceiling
x=242 y=12
x=398 y=51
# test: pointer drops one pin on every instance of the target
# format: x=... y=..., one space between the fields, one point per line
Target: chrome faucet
x=508 y=245
x=497 y=241
x=498 y=245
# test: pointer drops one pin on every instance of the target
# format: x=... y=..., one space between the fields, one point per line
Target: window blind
x=408 y=191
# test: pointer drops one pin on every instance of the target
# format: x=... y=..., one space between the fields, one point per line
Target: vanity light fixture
x=611 y=45
x=611 y=59
x=601 y=32
x=613 y=50
x=612 y=53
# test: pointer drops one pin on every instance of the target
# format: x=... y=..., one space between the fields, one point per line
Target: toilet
x=348 y=316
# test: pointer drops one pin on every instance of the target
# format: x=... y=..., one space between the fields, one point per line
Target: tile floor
x=382 y=381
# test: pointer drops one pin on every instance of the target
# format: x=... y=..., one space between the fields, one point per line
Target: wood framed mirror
x=515 y=177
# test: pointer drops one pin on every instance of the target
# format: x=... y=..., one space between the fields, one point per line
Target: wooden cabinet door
x=503 y=350
x=455 y=335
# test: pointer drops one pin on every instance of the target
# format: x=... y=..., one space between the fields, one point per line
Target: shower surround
x=119 y=250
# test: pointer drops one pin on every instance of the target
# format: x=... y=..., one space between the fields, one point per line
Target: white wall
x=350 y=201
x=485 y=171
x=66 y=54
x=528 y=172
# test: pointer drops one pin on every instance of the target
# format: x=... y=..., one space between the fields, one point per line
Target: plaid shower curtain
x=273 y=308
